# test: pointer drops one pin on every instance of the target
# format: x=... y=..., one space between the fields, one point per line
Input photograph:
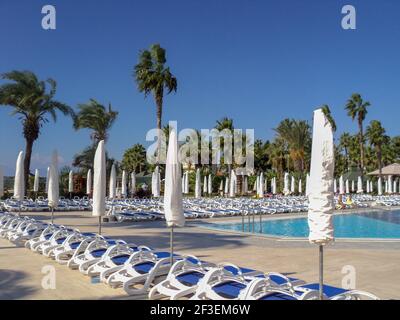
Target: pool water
x=382 y=224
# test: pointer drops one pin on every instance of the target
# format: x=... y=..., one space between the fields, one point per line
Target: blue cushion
x=230 y=289
x=47 y=237
x=144 y=267
x=329 y=291
x=75 y=245
x=277 y=296
x=190 y=278
x=121 y=259
x=61 y=240
x=98 y=252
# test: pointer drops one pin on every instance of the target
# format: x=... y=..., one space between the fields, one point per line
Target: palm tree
x=344 y=143
x=296 y=133
x=327 y=112
x=134 y=158
x=153 y=76
x=376 y=135
x=93 y=115
x=34 y=103
x=221 y=125
x=357 y=108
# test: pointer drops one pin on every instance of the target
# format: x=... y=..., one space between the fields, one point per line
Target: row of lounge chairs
x=141 y=270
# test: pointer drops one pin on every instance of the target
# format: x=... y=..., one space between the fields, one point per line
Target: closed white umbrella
x=380 y=186
x=390 y=185
x=54 y=186
x=257 y=185
x=197 y=189
x=300 y=187
x=359 y=185
x=1 y=182
x=71 y=182
x=371 y=187
x=133 y=183
x=261 y=188
x=352 y=186
x=124 y=190
x=113 y=183
x=286 y=184
x=99 y=183
x=274 y=186
x=183 y=182
x=367 y=186
x=245 y=185
x=334 y=186
x=341 y=185
x=386 y=186
x=394 y=186
x=173 y=205
x=232 y=185
x=47 y=180
x=36 y=181
x=19 y=181
x=320 y=218
x=187 y=183
x=205 y=185
x=157 y=182
x=221 y=186
x=89 y=182
x=292 y=185
x=226 y=191
x=209 y=184
x=307 y=184
x=347 y=187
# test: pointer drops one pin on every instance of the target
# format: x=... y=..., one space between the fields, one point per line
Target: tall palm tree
x=327 y=112
x=226 y=124
x=134 y=158
x=297 y=135
x=95 y=116
x=34 y=103
x=376 y=135
x=344 y=143
x=357 y=108
x=153 y=76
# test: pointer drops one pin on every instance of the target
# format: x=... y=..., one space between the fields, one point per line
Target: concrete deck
x=376 y=264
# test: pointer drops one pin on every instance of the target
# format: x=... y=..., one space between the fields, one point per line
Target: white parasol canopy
x=226 y=191
x=71 y=182
x=209 y=184
x=380 y=186
x=286 y=184
x=113 y=182
x=292 y=185
x=19 y=181
x=261 y=186
x=47 y=180
x=173 y=206
x=197 y=189
x=300 y=187
x=124 y=191
x=334 y=186
x=347 y=187
x=341 y=185
x=205 y=185
x=320 y=218
x=390 y=185
x=359 y=185
x=89 y=182
x=99 y=181
x=54 y=187
x=36 y=181
x=133 y=183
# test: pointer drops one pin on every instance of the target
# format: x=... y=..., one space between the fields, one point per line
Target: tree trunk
x=361 y=142
x=27 y=163
x=159 y=103
x=379 y=156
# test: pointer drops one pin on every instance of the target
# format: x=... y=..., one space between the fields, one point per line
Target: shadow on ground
x=10 y=286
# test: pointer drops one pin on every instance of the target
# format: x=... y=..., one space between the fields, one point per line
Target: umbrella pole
x=19 y=208
x=321 y=272
x=171 y=239
x=99 y=225
x=52 y=215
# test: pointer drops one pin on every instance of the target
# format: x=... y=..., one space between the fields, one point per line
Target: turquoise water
x=383 y=224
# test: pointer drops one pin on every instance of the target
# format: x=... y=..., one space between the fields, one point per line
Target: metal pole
x=99 y=225
x=321 y=272
x=52 y=214
x=171 y=239
x=253 y=224
x=19 y=211
x=242 y=222
x=260 y=223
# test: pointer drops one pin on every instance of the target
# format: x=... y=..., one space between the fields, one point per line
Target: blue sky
x=254 y=61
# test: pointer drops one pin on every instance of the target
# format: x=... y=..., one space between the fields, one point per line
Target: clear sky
x=255 y=61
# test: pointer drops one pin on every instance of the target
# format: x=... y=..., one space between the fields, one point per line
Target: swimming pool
x=376 y=224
